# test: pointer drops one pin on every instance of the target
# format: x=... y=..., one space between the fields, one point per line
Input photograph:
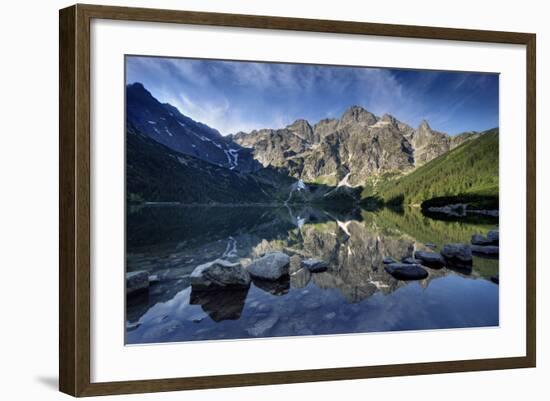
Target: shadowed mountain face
x=156 y=173
x=349 y=150
x=166 y=125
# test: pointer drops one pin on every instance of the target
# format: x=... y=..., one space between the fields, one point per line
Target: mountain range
x=351 y=150
x=171 y=157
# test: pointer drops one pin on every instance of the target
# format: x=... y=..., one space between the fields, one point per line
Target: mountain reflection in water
x=354 y=295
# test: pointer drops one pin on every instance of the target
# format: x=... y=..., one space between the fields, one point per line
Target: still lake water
x=355 y=295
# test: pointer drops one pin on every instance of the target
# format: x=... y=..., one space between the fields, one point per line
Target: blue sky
x=234 y=96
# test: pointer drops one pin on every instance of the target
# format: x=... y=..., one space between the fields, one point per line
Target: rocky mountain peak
x=138 y=86
x=137 y=93
x=357 y=115
x=302 y=128
x=424 y=126
x=424 y=134
x=325 y=127
x=166 y=125
x=358 y=144
x=428 y=144
x=299 y=124
x=389 y=119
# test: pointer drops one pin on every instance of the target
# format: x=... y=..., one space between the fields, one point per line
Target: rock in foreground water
x=478 y=239
x=488 y=250
x=220 y=273
x=491 y=239
x=457 y=255
x=271 y=266
x=404 y=271
x=430 y=259
x=315 y=265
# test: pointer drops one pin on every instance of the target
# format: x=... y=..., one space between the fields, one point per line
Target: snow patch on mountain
x=344 y=181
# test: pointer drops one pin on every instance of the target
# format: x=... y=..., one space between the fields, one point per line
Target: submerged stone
x=405 y=271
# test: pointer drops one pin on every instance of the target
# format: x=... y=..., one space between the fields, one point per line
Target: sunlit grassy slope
x=468 y=171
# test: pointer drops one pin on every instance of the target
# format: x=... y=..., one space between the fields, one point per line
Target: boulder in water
x=314 y=265
x=457 y=255
x=220 y=273
x=405 y=271
x=271 y=266
x=430 y=259
x=487 y=250
x=478 y=239
x=491 y=239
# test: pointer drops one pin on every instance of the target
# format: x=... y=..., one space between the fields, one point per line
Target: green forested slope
x=156 y=173
x=470 y=170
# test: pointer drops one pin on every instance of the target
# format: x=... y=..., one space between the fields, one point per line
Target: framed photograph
x=250 y=200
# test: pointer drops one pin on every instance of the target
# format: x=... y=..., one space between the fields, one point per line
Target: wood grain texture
x=74 y=199
x=67 y=129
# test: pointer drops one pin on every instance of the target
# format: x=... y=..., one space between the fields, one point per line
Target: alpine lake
x=353 y=295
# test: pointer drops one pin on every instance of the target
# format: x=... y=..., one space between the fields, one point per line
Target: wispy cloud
x=240 y=96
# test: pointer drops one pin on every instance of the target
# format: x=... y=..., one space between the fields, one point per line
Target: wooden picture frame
x=74 y=199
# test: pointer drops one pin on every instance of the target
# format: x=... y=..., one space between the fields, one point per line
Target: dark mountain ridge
x=156 y=173
x=165 y=124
